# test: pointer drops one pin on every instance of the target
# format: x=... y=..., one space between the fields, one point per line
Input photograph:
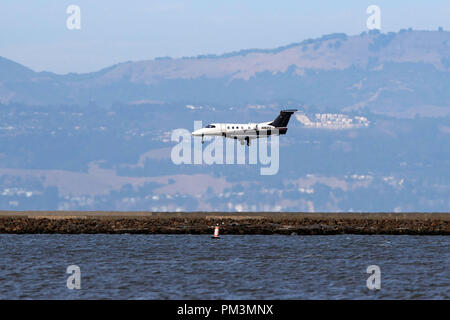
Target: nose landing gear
x=202 y=139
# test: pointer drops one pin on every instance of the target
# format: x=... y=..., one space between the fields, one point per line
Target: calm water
x=234 y=267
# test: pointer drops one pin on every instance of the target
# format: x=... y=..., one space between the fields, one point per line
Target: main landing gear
x=247 y=139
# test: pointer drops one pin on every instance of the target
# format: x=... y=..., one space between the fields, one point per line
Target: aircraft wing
x=242 y=136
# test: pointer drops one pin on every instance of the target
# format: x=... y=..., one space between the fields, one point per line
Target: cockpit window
x=210 y=126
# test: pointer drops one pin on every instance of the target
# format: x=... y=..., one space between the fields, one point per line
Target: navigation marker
x=216 y=233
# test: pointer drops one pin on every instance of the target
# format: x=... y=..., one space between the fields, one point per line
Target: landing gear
x=202 y=139
x=248 y=141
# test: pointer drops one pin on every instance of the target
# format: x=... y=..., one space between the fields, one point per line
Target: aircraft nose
x=196 y=133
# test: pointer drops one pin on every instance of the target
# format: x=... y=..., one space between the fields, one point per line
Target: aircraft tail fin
x=282 y=120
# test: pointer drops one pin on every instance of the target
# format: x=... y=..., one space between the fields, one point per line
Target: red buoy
x=216 y=233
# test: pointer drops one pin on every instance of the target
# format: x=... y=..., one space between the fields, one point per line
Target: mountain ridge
x=333 y=57
x=244 y=52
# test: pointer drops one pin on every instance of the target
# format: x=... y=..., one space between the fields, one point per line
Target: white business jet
x=247 y=132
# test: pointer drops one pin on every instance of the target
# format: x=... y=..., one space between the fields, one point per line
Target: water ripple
x=234 y=267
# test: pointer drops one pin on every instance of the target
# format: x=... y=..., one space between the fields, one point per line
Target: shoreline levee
x=287 y=223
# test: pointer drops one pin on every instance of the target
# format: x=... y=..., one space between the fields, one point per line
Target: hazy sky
x=34 y=33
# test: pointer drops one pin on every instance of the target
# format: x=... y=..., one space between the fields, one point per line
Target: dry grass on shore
x=443 y=216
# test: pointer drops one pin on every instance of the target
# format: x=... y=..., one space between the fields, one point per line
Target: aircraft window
x=228 y=127
x=242 y=127
x=232 y=127
x=210 y=126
